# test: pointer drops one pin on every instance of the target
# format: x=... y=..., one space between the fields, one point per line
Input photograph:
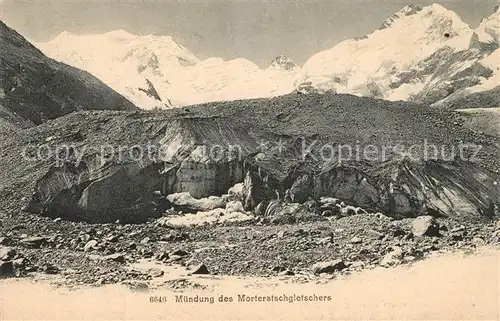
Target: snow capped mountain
x=217 y=80
x=421 y=54
x=424 y=54
x=476 y=78
x=370 y=66
x=128 y=63
x=157 y=72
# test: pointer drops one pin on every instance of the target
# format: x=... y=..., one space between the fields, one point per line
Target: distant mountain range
x=422 y=54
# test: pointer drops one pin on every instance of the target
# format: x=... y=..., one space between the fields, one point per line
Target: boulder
x=425 y=226
x=200 y=269
x=393 y=258
x=179 y=252
x=7 y=253
x=116 y=257
x=90 y=245
x=328 y=267
x=6 y=268
x=33 y=242
x=356 y=240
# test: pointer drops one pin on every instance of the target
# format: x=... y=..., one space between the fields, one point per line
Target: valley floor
x=454 y=286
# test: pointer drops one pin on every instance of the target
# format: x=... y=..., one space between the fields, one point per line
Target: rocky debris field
x=85 y=221
x=92 y=182
x=81 y=253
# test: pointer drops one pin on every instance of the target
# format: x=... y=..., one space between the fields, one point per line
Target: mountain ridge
x=386 y=63
x=35 y=88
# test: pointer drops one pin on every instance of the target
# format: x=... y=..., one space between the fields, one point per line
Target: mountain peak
x=408 y=10
x=434 y=11
x=489 y=28
x=120 y=33
x=282 y=62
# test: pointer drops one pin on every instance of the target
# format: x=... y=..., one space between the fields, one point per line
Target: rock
x=145 y=240
x=335 y=209
x=457 y=236
x=394 y=257
x=283 y=219
x=156 y=273
x=349 y=210
x=324 y=240
x=425 y=226
x=356 y=265
x=161 y=256
x=478 y=241
x=458 y=233
x=280 y=234
x=327 y=213
x=200 y=269
x=112 y=238
x=33 y=242
x=287 y=273
x=136 y=286
x=117 y=257
x=147 y=253
x=356 y=240
x=179 y=252
x=279 y=268
x=4 y=240
x=20 y=263
x=461 y=228
x=397 y=231
x=328 y=267
x=50 y=269
x=282 y=213
x=90 y=245
x=57 y=220
x=312 y=206
x=85 y=237
x=409 y=259
x=7 y=253
x=175 y=236
x=376 y=234
x=6 y=268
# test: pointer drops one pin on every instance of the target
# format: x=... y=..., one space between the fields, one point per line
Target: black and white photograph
x=249 y=160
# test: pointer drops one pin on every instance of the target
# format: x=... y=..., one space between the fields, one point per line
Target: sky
x=252 y=29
